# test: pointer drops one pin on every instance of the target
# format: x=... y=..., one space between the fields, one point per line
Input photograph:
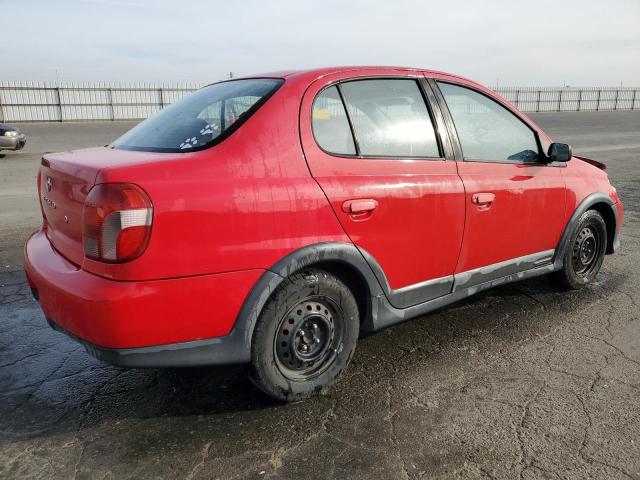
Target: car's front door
x=373 y=147
x=515 y=201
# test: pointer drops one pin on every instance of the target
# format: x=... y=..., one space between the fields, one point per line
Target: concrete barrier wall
x=44 y=102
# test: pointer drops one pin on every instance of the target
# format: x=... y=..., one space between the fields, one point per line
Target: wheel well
x=356 y=283
x=610 y=221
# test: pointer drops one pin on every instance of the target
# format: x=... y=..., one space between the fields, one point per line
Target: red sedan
x=271 y=220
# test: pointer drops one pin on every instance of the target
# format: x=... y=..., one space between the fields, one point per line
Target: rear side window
x=201 y=119
x=486 y=129
x=390 y=118
x=330 y=124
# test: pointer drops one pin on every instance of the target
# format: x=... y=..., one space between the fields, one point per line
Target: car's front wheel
x=584 y=253
x=305 y=336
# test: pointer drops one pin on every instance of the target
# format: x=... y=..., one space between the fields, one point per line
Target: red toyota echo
x=272 y=220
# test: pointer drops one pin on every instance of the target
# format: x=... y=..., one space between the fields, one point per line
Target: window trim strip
x=354 y=137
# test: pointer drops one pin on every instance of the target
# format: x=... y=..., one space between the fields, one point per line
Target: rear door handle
x=359 y=206
x=485 y=198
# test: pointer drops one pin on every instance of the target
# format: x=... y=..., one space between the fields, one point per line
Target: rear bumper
x=153 y=323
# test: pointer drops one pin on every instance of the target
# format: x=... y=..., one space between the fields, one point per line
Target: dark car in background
x=11 y=138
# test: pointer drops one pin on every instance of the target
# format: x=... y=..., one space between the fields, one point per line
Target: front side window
x=390 y=118
x=486 y=129
x=200 y=119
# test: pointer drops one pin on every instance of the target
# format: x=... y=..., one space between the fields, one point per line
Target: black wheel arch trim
x=586 y=204
x=354 y=258
x=327 y=252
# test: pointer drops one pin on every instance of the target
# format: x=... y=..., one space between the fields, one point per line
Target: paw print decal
x=206 y=130
x=189 y=143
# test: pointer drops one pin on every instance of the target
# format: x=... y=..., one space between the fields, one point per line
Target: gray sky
x=544 y=42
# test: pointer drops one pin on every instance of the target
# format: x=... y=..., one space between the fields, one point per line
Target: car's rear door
x=383 y=165
x=515 y=201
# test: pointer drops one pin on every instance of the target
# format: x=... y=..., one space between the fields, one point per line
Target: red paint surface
x=117 y=314
x=526 y=216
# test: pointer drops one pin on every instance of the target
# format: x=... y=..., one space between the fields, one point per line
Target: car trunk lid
x=65 y=181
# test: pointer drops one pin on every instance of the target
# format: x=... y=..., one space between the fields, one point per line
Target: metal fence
x=45 y=102
x=571 y=99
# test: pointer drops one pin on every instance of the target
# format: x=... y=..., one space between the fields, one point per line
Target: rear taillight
x=116 y=222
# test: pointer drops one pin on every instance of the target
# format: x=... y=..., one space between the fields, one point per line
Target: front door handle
x=359 y=206
x=483 y=198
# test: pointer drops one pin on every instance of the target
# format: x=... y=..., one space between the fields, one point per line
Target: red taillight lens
x=117 y=221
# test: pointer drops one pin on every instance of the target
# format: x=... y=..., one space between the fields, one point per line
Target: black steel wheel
x=585 y=250
x=584 y=253
x=305 y=336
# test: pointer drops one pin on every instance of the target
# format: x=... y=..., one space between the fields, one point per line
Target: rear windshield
x=201 y=119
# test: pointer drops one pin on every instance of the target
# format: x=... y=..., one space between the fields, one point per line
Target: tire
x=584 y=252
x=305 y=336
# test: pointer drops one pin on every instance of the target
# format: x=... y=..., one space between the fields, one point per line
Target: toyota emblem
x=49 y=184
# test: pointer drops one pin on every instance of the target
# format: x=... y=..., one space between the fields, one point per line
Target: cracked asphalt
x=523 y=381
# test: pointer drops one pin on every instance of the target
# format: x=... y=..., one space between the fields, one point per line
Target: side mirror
x=559 y=152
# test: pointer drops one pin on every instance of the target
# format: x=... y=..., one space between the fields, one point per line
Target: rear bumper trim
x=228 y=350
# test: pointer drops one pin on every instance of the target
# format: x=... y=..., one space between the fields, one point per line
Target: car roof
x=313 y=74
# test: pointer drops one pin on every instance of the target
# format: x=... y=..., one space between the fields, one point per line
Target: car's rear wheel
x=584 y=253
x=305 y=336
